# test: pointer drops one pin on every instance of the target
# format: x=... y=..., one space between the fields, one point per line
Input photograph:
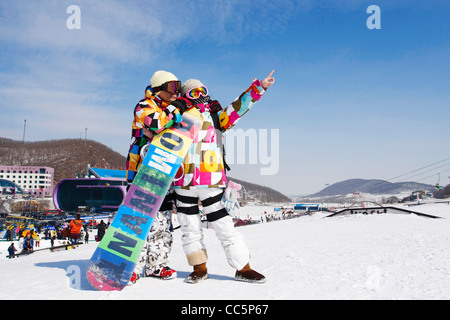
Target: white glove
x=229 y=199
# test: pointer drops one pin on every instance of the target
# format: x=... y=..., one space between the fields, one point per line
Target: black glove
x=181 y=105
x=214 y=106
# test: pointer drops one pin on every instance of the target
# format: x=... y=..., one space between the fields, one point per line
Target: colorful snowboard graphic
x=113 y=262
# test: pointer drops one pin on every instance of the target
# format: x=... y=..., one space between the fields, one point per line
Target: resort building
x=35 y=181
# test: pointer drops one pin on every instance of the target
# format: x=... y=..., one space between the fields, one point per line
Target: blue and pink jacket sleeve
x=231 y=114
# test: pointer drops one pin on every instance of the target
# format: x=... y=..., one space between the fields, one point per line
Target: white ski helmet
x=160 y=77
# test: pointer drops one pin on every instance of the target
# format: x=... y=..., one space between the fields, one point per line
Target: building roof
x=107 y=173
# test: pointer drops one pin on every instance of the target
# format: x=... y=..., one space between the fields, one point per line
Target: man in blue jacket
x=28 y=243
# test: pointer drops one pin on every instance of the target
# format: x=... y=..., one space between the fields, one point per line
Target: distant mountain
x=69 y=158
x=372 y=186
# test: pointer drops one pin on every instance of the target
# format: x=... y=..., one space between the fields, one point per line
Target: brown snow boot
x=200 y=273
x=247 y=274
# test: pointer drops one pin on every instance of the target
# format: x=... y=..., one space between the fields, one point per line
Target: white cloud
x=110 y=29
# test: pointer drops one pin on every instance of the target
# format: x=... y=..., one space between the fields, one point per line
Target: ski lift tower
x=357 y=197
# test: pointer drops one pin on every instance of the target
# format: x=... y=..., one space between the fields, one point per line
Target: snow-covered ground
x=386 y=256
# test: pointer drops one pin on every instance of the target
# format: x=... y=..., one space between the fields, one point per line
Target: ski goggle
x=195 y=93
x=170 y=86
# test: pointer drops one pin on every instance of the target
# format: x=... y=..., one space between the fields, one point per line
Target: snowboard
x=112 y=264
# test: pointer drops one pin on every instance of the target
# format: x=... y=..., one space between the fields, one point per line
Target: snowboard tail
x=115 y=258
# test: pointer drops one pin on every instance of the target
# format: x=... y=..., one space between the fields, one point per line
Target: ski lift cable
x=416 y=170
x=425 y=172
x=419 y=169
x=433 y=175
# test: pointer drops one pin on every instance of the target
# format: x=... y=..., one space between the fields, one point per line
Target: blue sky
x=348 y=102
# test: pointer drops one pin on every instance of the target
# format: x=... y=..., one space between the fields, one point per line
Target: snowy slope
x=383 y=256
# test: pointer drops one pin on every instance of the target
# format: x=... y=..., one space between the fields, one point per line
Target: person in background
x=12 y=250
x=38 y=241
x=101 y=229
x=28 y=243
x=75 y=228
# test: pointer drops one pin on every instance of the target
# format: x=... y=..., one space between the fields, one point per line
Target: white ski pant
x=188 y=215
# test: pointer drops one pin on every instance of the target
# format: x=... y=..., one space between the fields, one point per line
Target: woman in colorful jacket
x=152 y=115
x=202 y=177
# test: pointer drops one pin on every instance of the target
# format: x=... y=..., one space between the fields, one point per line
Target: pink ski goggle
x=195 y=93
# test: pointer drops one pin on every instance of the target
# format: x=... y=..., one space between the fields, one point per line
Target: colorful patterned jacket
x=150 y=113
x=203 y=165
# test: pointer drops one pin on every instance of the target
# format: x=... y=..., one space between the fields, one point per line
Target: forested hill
x=69 y=157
